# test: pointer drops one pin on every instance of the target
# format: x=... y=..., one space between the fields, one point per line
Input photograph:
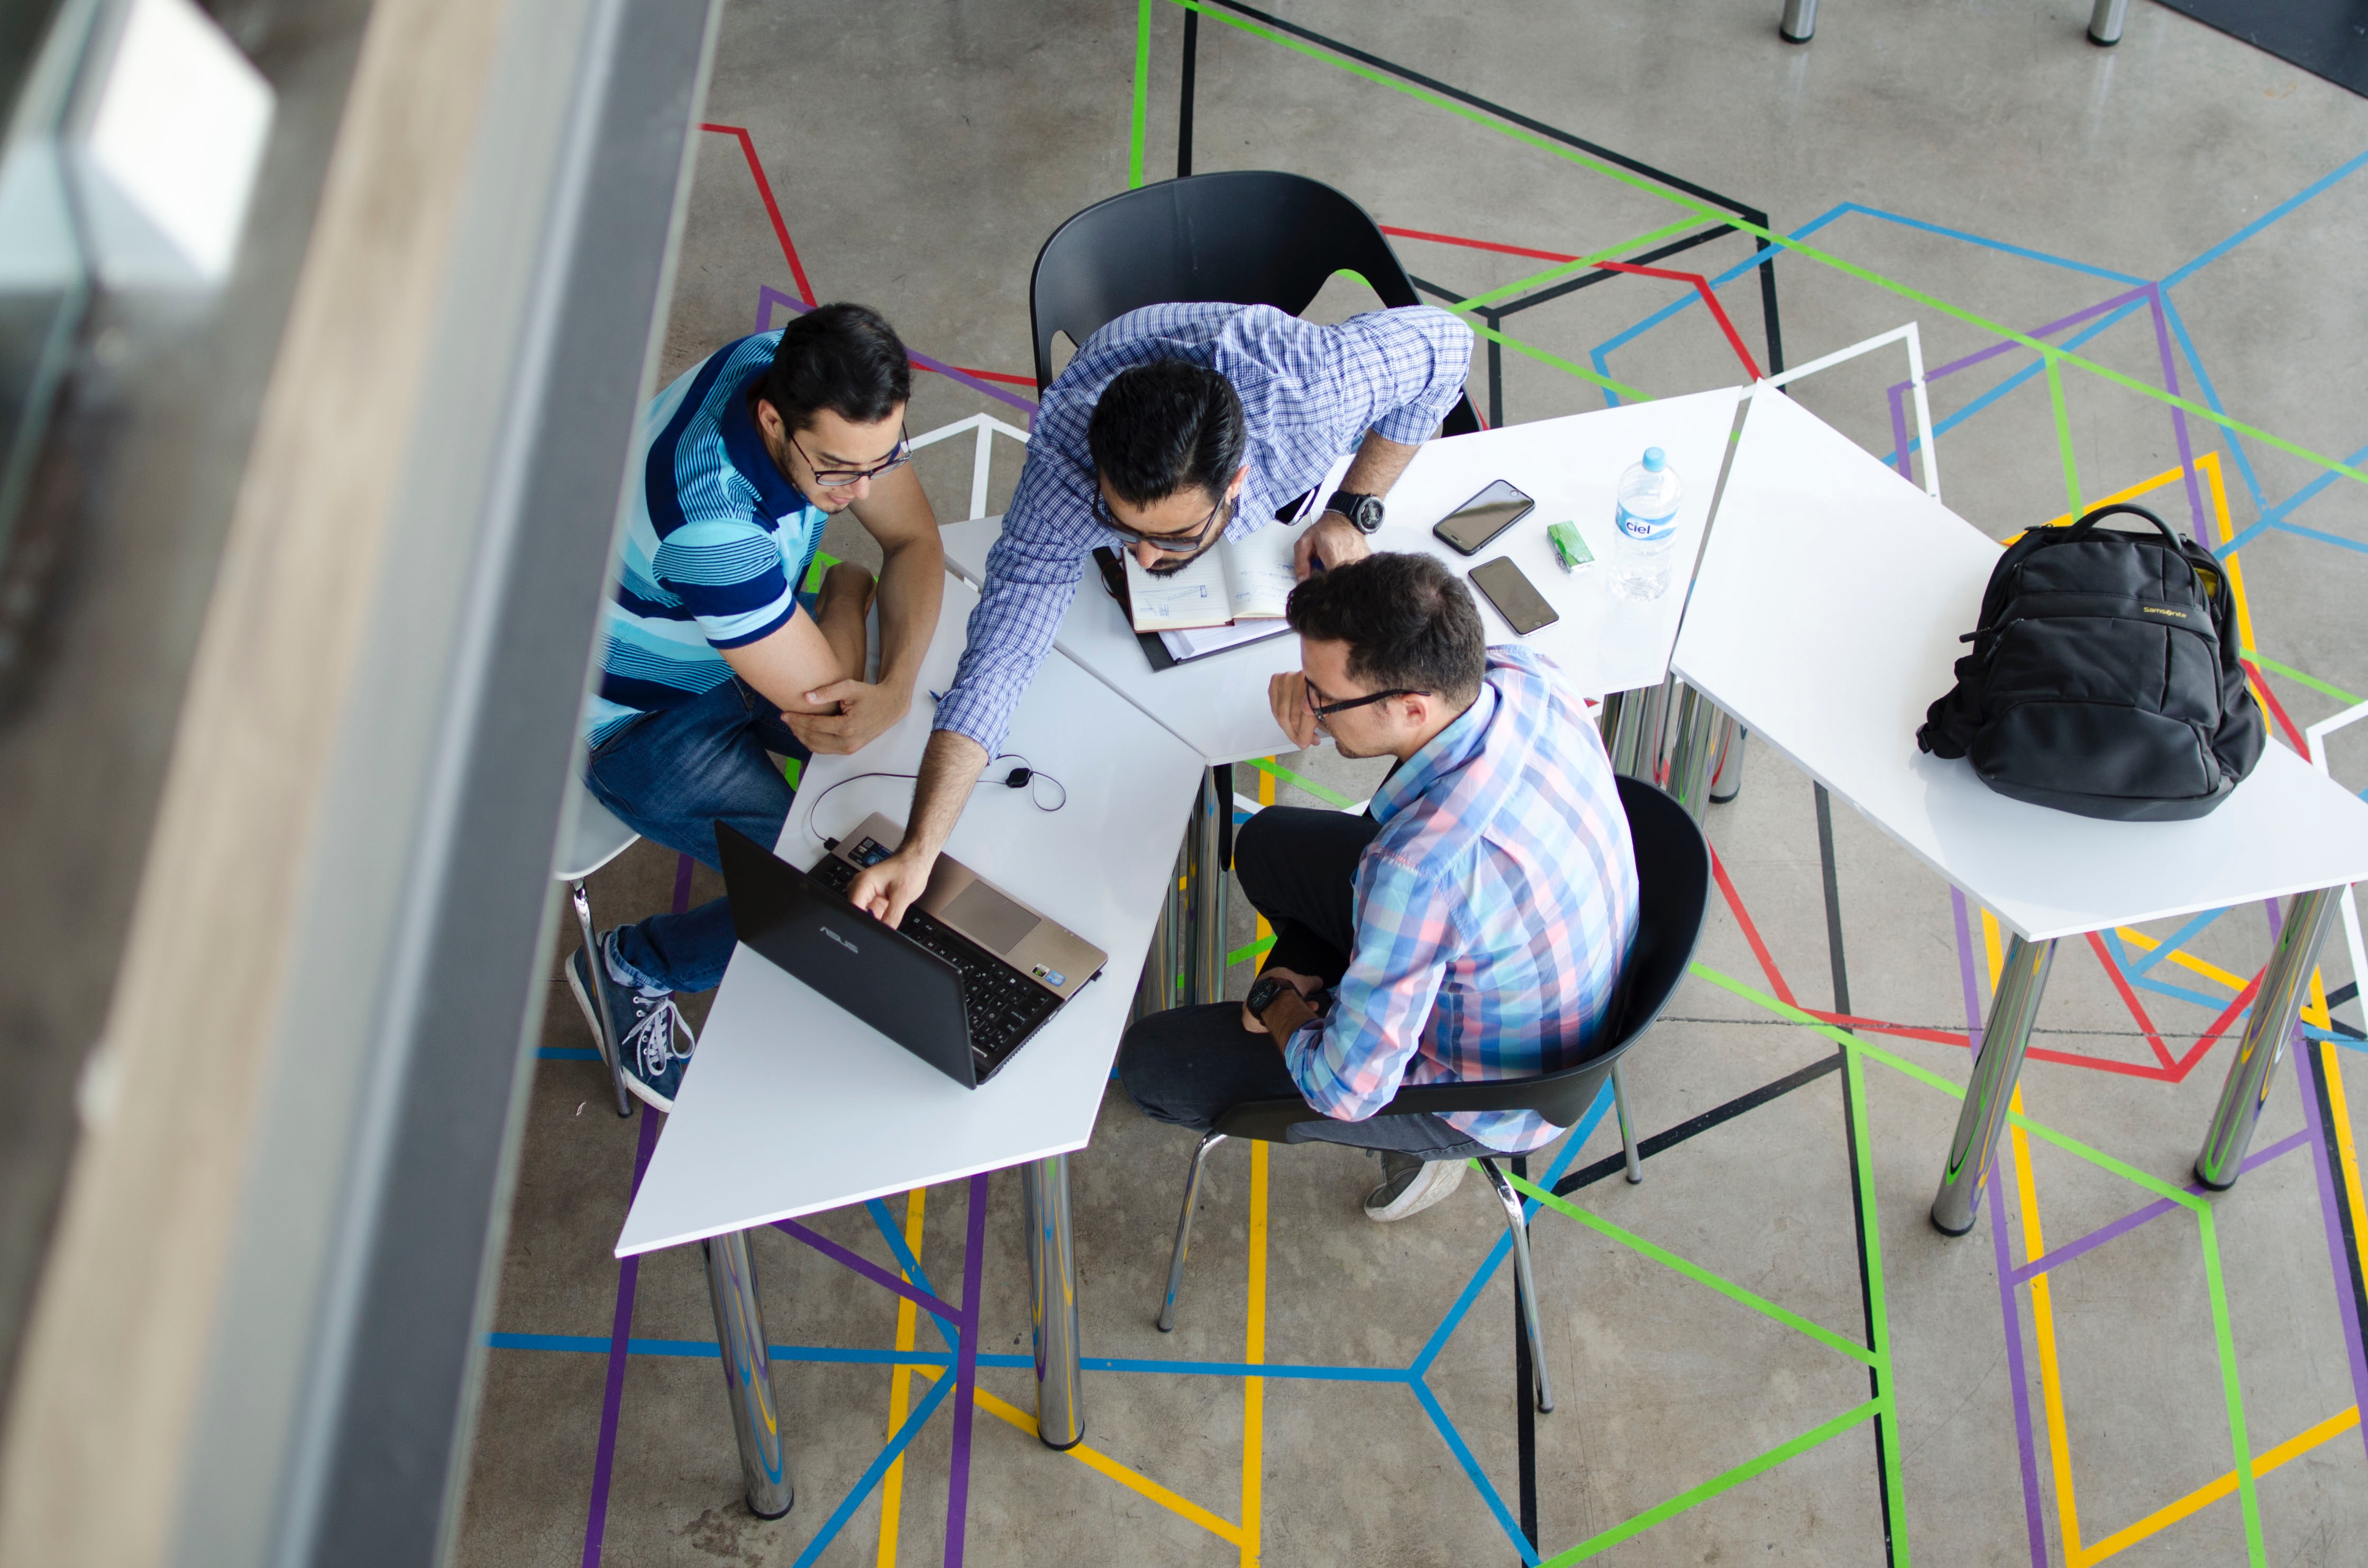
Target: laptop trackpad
x=988 y=918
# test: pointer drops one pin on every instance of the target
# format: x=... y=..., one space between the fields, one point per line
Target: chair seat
x=598 y=836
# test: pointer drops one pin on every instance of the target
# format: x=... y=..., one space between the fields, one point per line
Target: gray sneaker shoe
x=657 y=1040
x=1410 y=1185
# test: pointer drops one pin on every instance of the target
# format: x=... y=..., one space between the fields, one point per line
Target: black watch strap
x=1264 y=991
x=1365 y=511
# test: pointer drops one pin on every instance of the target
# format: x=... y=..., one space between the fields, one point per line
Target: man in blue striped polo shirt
x=711 y=662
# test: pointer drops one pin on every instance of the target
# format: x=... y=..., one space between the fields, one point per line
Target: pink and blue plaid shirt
x=1494 y=910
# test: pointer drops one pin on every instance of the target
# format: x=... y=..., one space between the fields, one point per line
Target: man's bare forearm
x=912 y=584
x=950 y=768
x=1377 y=465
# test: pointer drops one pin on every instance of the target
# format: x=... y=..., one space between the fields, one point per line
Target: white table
x=792 y=1106
x=1825 y=617
x=1571 y=467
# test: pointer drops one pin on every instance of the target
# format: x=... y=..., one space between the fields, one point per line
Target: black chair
x=1673 y=879
x=1251 y=236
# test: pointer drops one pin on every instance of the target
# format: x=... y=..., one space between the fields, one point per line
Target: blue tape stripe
x=914 y=1273
x=2171 y=944
x=567 y=1054
x=2035 y=368
x=879 y=1467
x=2316 y=188
x=1472 y=1468
x=1504 y=1244
x=2322 y=538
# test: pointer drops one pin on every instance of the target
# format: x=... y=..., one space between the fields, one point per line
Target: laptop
x=971 y=975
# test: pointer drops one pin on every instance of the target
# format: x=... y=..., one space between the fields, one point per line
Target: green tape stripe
x=814 y=569
x=2317 y=685
x=1697 y=1273
x=1252 y=950
x=2224 y=1334
x=1559 y=363
x=2064 y=436
x=1711 y=1488
x=1142 y=96
x=1565 y=268
x=1797 y=247
x=1267 y=765
x=1878 y=1316
x=1930 y=1079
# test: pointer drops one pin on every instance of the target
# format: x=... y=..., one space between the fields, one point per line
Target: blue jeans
x=670 y=776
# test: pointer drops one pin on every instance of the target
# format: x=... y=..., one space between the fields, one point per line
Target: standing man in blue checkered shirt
x=1174 y=427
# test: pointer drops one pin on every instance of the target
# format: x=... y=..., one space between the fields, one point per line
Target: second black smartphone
x=1471 y=526
x=1514 y=596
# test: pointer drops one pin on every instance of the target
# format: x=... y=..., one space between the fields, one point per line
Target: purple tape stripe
x=620 y=1330
x=769 y=296
x=2337 y=1254
x=869 y=1270
x=2009 y=1307
x=965 y=1376
x=2155 y=1211
x=1900 y=430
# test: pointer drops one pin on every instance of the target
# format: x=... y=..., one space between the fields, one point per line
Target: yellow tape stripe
x=1254 y=1352
x=2043 y=1327
x=1266 y=798
x=1094 y=1460
x=892 y=1485
x=2212 y=1492
x=2189 y=962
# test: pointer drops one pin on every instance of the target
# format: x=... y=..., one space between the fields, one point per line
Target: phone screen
x=1523 y=608
x=1483 y=518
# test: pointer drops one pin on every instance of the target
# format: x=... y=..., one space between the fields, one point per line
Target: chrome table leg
x=2271 y=1024
x=2105 y=22
x=2013 y=1008
x=1207 y=886
x=1800 y=23
x=1052 y=1274
x=1627 y=1128
x=748 y=1373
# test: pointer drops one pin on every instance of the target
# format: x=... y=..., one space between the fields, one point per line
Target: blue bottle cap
x=1655 y=459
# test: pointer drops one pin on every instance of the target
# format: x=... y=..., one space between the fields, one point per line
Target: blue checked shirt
x=1494 y=911
x=1309 y=395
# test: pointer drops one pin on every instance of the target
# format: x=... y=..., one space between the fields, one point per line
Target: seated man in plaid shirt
x=1176 y=426
x=1470 y=927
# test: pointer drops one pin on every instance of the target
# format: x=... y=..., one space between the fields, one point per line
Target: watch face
x=1368 y=515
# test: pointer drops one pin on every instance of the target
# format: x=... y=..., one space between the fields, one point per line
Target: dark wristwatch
x=1263 y=992
x=1365 y=511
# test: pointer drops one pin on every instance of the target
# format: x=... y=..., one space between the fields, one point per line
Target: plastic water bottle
x=1647 y=526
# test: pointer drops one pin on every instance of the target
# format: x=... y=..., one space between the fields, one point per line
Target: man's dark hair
x=840 y=357
x=1164 y=425
x=1408 y=622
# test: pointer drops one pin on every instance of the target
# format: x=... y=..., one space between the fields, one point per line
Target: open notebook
x=1232 y=595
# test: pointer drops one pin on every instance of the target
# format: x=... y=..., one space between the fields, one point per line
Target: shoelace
x=652 y=1040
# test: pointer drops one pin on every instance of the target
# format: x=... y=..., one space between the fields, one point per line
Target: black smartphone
x=1524 y=608
x=1483 y=518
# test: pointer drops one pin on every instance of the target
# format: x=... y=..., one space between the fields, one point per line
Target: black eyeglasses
x=1320 y=712
x=1186 y=541
x=841 y=478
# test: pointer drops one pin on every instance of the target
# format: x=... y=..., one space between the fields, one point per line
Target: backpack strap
x=2089 y=520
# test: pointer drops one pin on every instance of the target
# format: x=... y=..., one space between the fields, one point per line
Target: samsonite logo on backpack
x=2103 y=678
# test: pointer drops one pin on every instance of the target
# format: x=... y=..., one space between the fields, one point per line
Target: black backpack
x=2104 y=679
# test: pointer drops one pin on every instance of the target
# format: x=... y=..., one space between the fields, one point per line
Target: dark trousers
x=1189 y=1065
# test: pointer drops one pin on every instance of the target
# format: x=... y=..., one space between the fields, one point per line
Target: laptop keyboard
x=1001 y=1006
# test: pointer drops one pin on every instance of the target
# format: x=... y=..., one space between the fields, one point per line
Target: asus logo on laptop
x=840 y=940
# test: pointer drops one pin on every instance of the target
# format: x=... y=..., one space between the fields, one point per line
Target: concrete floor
x=1978 y=153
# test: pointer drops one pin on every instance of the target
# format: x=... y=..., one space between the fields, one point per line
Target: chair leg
x=1627 y=1128
x=1525 y=1284
x=1184 y=1231
x=605 y=1036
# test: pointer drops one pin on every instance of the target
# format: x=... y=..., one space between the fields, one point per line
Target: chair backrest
x=1673 y=899
x=1248 y=236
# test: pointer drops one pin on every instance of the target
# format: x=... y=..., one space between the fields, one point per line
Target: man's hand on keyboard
x=887 y=890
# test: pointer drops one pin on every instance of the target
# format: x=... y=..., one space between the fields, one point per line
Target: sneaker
x=1410 y=1185
x=657 y=1038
